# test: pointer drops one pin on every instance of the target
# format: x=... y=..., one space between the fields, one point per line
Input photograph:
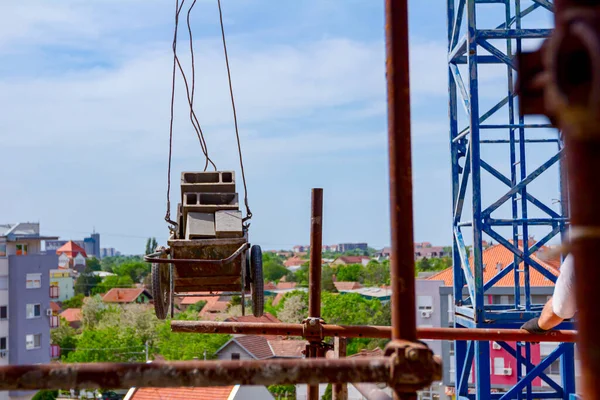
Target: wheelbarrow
x=221 y=266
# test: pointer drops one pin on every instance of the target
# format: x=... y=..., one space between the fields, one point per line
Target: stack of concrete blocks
x=209 y=206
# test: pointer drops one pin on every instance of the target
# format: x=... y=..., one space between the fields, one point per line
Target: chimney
x=499 y=267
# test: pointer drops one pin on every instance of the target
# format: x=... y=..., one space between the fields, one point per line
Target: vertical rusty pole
x=316 y=245
x=398 y=97
x=340 y=390
x=314 y=280
x=401 y=208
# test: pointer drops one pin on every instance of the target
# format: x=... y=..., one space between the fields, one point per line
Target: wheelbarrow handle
x=155 y=258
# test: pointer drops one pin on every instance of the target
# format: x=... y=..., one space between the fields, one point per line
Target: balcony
x=54 y=292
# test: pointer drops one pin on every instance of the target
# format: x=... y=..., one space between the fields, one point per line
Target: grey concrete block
x=208 y=182
x=228 y=224
x=209 y=202
x=200 y=226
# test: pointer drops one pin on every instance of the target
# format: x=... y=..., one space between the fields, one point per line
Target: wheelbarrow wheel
x=257 y=282
x=161 y=290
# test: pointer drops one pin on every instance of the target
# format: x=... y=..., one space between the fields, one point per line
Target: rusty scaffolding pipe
x=401 y=208
x=211 y=373
x=314 y=348
x=376 y=332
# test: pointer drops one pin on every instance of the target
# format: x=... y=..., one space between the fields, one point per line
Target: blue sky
x=84 y=91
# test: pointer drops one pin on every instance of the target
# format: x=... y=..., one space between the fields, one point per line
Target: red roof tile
x=71 y=249
x=258 y=346
x=288 y=348
x=347 y=285
x=351 y=259
x=71 y=314
x=188 y=301
x=278 y=298
x=54 y=307
x=286 y=285
x=294 y=262
x=214 y=304
x=120 y=295
x=187 y=393
x=499 y=256
x=270 y=286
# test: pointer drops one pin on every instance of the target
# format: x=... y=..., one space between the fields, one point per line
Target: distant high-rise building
x=91 y=245
x=344 y=247
x=109 y=252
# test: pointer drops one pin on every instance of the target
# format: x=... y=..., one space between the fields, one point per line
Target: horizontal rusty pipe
x=216 y=373
x=383 y=332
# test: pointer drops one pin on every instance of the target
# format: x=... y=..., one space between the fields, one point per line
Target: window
x=235 y=356
x=34 y=311
x=34 y=281
x=21 y=249
x=4 y=282
x=33 y=341
x=3 y=312
x=498 y=366
x=3 y=346
x=2 y=249
x=425 y=303
x=554 y=368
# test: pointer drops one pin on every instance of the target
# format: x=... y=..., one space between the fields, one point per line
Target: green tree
x=45 y=395
x=74 y=302
x=109 y=263
x=349 y=273
x=93 y=264
x=283 y=392
x=273 y=268
x=111 y=282
x=136 y=270
x=327 y=274
x=328 y=395
x=151 y=245
x=423 y=265
x=65 y=337
x=92 y=311
x=376 y=274
x=183 y=346
x=301 y=276
x=86 y=282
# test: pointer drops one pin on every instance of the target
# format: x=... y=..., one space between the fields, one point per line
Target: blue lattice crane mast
x=508 y=218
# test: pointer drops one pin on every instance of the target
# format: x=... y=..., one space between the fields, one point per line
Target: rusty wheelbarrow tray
x=206 y=265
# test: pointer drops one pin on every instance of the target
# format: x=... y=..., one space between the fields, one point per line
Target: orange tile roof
x=71 y=249
x=71 y=314
x=120 y=295
x=278 y=298
x=188 y=301
x=294 y=262
x=258 y=346
x=214 y=304
x=497 y=255
x=54 y=306
x=183 y=393
x=346 y=285
x=270 y=286
x=288 y=348
x=286 y=285
x=352 y=259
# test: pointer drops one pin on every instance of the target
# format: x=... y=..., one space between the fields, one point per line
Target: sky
x=84 y=120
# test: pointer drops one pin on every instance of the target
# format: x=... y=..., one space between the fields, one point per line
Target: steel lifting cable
x=190 y=97
x=237 y=133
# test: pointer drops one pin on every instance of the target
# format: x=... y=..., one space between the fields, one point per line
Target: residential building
x=62 y=284
x=25 y=313
x=426 y=250
x=237 y=392
x=346 y=286
x=503 y=367
x=347 y=260
x=72 y=316
x=109 y=252
x=250 y=347
x=384 y=254
x=301 y=249
x=50 y=246
x=294 y=263
x=344 y=247
x=71 y=256
x=127 y=296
